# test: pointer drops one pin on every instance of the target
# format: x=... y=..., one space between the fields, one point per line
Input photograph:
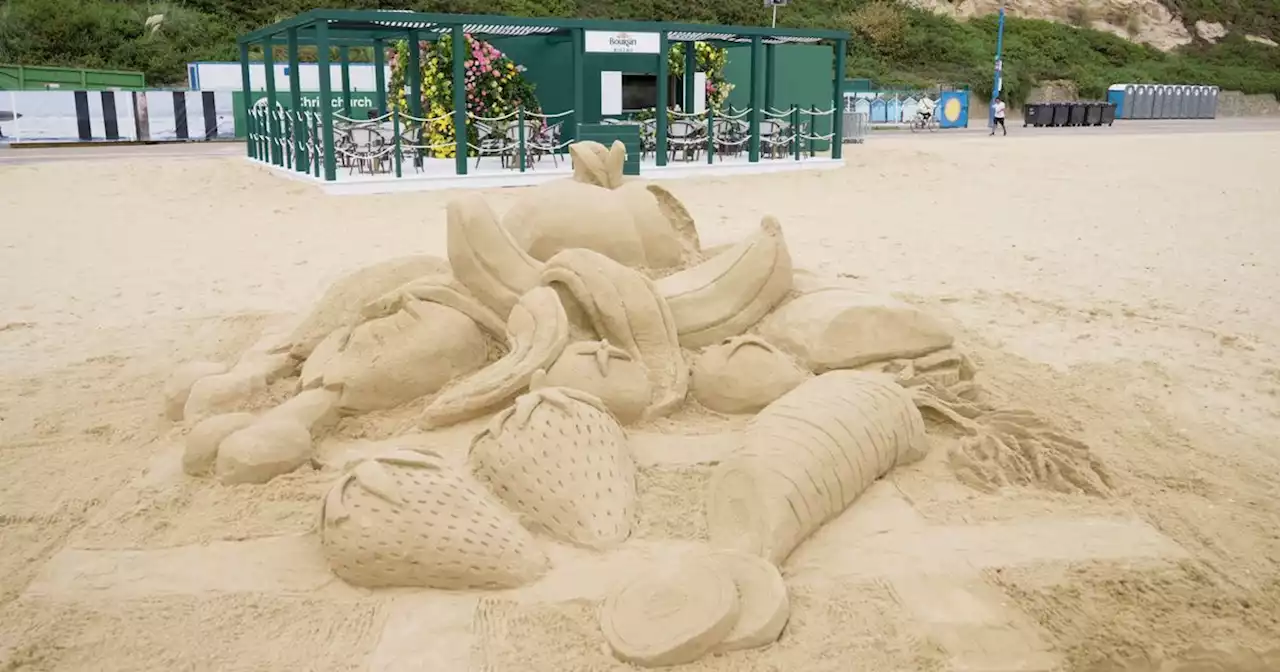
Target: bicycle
x=919 y=123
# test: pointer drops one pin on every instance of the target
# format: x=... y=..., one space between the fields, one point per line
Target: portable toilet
x=1166 y=101
x=1179 y=99
x=1213 y=102
x=1117 y=94
x=1197 y=102
x=1157 y=100
x=1142 y=105
x=1184 y=102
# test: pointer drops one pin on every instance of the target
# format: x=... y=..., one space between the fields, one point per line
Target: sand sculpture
x=586 y=312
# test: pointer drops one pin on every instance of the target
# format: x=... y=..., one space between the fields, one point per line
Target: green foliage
x=892 y=43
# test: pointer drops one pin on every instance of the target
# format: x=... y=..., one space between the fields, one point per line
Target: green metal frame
x=342 y=29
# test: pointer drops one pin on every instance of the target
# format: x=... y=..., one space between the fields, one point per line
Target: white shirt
x=999 y=109
x=926 y=106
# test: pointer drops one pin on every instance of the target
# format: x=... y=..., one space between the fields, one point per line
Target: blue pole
x=995 y=89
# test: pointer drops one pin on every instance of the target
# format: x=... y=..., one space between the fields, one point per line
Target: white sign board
x=610 y=93
x=699 y=92
x=605 y=42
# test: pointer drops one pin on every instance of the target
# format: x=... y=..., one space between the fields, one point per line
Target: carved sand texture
x=203 y=440
x=484 y=257
x=560 y=460
x=663 y=225
x=441 y=289
x=624 y=307
x=671 y=616
x=324 y=354
x=538 y=330
x=404 y=518
x=562 y=215
x=178 y=388
x=743 y=374
x=262 y=364
x=412 y=352
x=843 y=328
x=606 y=372
x=728 y=293
x=807 y=456
x=762 y=598
x=346 y=296
x=676 y=216
x=597 y=165
x=277 y=442
x=945 y=368
x=1007 y=447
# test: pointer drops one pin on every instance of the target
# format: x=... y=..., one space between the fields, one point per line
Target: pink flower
x=469 y=64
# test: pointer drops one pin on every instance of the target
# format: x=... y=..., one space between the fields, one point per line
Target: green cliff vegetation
x=893 y=44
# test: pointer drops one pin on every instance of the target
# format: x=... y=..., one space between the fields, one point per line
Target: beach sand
x=1123 y=286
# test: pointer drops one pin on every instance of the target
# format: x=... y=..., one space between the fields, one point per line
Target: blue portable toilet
x=1117 y=95
x=878 y=115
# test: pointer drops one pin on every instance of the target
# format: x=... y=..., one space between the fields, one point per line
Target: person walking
x=997 y=109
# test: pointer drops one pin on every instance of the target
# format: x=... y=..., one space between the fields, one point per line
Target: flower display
x=712 y=61
x=495 y=87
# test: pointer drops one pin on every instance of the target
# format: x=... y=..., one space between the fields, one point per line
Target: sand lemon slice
x=672 y=617
x=764 y=606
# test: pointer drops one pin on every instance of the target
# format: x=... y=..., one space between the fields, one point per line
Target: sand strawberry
x=561 y=460
x=404 y=518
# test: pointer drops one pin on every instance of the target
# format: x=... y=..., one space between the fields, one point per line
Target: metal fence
x=856 y=127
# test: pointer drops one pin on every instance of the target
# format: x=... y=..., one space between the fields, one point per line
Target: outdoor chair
x=547 y=143
x=369 y=151
x=411 y=145
x=511 y=157
x=648 y=137
x=685 y=139
x=775 y=138
x=492 y=142
x=731 y=135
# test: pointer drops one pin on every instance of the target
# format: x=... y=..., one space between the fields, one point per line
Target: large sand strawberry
x=404 y=518
x=560 y=459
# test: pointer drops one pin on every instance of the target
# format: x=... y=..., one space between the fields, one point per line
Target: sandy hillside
x=1124 y=286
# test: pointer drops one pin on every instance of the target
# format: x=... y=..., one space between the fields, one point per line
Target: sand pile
x=585 y=311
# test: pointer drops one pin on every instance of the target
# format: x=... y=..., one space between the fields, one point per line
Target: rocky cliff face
x=1145 y=21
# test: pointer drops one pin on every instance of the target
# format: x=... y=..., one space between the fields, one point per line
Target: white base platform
x=437 y=174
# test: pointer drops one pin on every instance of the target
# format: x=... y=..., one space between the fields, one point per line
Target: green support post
x=837 y=103
x=326 y=110
x=795 y=131
x=315 y=142
x=295 y=101
x=770 y=75
x=344 y=57
x=269 y=69
x=459 y=55
x=395 y=134
x=579 y=48
x=757 y=100
x=247 y=98
x=711 y=135
x=690 y=67
x=520 y=136
x=380 y=76
x=663 y=82
x=415 y=74
x=813 y=126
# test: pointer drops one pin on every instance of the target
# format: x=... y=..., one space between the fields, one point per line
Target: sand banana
x=727 y=294
x=624 y=307
x=538 y=330
x=485 y=258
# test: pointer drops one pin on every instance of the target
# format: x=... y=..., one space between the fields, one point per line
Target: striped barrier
x=115 y=116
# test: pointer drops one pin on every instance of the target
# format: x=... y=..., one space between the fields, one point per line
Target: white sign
x=604 y=42
x=699 y=92
x=610 y=93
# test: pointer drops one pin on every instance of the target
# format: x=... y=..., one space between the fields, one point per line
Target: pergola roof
x=363 y=26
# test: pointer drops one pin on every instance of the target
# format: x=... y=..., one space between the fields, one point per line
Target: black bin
x=1036 y=114
x=1108 y=114
x=1061 y=113
x=1077 y=114
x=1093 y=114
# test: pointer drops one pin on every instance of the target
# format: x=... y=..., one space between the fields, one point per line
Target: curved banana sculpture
x=441 y=290
x=624 y=307
x=727 y=294
x=538 y=330
x=484 y=257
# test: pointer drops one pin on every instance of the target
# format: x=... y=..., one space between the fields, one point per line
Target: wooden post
x=459 y=53
x=579 y=48
x=269 y=67
x=344 y=57
x=757 y=99
x=660 y=122
x=326 y=110
x=837 y=102
x=380 y=76
x=295 y=102
x=245 y=86
x=415 y=74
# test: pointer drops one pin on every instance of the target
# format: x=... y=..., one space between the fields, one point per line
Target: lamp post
x=995 y=89
x=775 y=4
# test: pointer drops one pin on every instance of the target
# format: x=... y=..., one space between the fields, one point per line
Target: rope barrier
x=502 y=118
